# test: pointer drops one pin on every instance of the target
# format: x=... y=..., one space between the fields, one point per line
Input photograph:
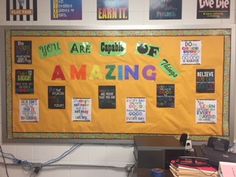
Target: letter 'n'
x=134 y=73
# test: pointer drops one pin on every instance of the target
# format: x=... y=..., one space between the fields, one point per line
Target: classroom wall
x=112 y=155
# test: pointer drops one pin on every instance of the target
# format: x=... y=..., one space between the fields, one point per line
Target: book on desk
x=192 y=167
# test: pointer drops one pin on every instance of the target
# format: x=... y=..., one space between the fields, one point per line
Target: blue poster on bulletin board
x=66 y=9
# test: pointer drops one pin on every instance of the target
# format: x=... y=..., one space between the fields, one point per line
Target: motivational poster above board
x=66 y=9
x=162 y=9
x=21 y=10
x=112 y=9
x=207 y=9
x=116 y=84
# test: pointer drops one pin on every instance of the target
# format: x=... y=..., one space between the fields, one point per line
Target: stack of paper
x=192 y=170
x=227 y=169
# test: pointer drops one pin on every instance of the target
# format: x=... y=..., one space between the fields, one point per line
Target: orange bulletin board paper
x=77 y=62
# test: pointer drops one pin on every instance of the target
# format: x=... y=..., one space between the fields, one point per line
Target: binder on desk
x=214 y=156
x=192 y=167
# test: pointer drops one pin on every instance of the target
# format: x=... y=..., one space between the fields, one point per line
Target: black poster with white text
x=23 y=52
x=205 y=81
x=56 y=97
x=24 y=81
x=107 y=97
x=166 y=95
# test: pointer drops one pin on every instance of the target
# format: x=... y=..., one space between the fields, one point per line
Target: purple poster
x=66 y=9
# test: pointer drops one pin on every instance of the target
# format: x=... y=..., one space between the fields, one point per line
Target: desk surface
x=157 y=142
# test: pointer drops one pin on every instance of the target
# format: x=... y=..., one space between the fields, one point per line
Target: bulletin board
x=113 y=84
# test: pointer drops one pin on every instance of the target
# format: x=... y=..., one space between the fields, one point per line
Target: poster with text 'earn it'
x=112 y=9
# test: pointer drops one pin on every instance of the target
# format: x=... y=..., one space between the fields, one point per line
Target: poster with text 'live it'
x=136 y=109
x=66 y=9
x=209 y=9
x=112 y=9
x=81 y=109
x=206 y=111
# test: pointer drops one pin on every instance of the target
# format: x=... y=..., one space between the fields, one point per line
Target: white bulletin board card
x=136 y=110
x=191 y=52
x=206 y=111
x=81 y=109
x=29 y=110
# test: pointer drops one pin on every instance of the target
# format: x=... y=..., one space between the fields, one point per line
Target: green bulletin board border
x=9 y=33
